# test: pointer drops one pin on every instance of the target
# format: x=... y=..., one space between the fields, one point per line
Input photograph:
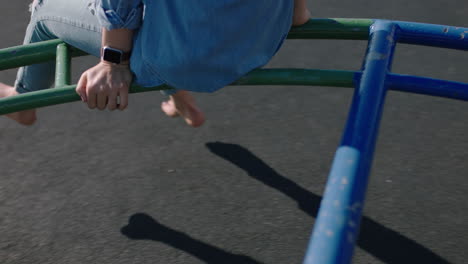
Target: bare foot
x=27 y=117
x=301 y=13
x=183 y=104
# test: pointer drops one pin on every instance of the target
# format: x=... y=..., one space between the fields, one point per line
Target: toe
x=169 y=109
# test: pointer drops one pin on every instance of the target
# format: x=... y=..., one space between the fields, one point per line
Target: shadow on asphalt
x=383 y=243
x=143 y=227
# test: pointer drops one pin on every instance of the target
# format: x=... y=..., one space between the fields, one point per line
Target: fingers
x=112 y=102
x=81 y=87
x=103 y=85
x=101 y=100
x=92 y=97
x=123 y=93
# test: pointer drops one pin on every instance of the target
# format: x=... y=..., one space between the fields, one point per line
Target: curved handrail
x=354 y=156
x=321 y=28
x=328 y=28
x=308 y=77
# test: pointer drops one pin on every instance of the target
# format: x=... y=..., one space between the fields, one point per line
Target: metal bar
x=18 y=56
x=298 y=77
x=428 y=86
x=63 y=66
x=330 y=28
x=309 y=77
x=339 y=78
x=358 y=29
x=337 y=224
x=333 y=28
x=58 y=95
x=433 y=35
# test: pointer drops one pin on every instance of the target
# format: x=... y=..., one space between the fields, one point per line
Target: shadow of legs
x=143 y=227
x=383 y=243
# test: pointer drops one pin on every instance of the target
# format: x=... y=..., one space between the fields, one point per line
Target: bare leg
x=27 y=117
x=301 y=13
x=183 y=104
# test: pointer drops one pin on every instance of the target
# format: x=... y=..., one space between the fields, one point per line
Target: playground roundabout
x=134 y=187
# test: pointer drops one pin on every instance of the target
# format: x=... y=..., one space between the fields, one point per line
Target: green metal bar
x=308 y=77
x=333 y=28
x=18 y=56
x=337 y=28
x=67 y=94
x=336 y=78
x=63 y=66
x=48 y=97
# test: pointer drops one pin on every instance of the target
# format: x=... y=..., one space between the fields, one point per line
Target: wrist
x=114 y=55
x=122 y=65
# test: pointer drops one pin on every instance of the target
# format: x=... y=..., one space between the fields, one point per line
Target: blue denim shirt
x=198 y=45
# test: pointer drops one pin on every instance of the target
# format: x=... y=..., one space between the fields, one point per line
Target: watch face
x=112 y=55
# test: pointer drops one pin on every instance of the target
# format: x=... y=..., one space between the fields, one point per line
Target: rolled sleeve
x=114 y=14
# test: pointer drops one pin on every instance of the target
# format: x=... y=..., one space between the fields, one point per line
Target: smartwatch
x=115 y=56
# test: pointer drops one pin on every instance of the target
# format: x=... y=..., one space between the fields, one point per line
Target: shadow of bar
x=387 y=245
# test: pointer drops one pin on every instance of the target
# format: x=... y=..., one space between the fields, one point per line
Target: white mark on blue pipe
x=462 y=35
x=355 y=207
x=374 y=55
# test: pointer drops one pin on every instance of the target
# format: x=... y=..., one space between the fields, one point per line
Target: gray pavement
x=85 y=186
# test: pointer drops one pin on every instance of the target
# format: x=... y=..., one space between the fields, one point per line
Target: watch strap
x=126 y=56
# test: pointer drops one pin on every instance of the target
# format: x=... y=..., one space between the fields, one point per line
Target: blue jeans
x=73 y=21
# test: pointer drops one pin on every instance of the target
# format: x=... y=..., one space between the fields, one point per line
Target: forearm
x=119 y=18
x=121 y=38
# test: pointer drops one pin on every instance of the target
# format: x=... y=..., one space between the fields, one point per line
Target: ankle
x=301 y=16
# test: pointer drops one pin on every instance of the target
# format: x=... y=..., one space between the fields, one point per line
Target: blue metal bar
x=433 y=35
x=419 y=85
x=428 y=86
x=337 y=224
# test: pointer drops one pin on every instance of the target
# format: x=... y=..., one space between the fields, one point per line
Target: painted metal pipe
x=336 y=227
x=63 y=66
x=433 y=35
x=428 y=86
x=358 y=29
x=325 y=28
x=332 y=28
x=39 y=52
x=58 y=95
x=308 y=77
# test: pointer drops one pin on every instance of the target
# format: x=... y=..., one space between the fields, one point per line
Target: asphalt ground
x=86 y=186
